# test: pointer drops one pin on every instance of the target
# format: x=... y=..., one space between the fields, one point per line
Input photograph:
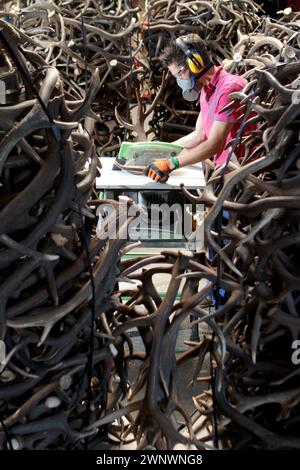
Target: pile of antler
x=256 y=383
x=257 y=389
x=48 y=168
x=125 y=44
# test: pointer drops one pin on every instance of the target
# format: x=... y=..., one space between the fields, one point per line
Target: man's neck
x=208 y=76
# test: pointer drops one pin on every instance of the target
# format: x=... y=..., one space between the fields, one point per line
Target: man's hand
x=158 y=170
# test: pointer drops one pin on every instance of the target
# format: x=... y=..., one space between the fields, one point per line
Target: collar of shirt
x=210 y=88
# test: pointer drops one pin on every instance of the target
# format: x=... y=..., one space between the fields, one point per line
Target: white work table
x=192 y=177
x=149 y=193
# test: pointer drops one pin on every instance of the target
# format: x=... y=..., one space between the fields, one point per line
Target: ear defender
x=195 y=61
x=195 y=66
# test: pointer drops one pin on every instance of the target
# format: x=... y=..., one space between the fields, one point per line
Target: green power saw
x=135 y=156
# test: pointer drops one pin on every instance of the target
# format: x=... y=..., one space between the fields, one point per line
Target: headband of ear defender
x=198 y=62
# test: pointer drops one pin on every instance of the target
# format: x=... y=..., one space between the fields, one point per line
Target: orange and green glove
x=160 y=169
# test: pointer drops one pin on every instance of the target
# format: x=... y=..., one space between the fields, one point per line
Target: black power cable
x=90 y=270
x=93 y=312
x=90 y=361
x=218 y=226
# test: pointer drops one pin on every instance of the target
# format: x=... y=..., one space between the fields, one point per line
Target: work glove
x=159 y=170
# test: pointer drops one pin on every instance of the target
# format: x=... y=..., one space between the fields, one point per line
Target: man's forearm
x=190 y=156
x=191 y=140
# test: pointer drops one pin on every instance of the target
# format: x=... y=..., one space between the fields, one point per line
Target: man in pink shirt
x=189 y=62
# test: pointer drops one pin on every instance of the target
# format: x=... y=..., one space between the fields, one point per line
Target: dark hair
x=174 y=54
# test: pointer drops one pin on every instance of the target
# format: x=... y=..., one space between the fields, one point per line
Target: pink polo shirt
x=213 y=98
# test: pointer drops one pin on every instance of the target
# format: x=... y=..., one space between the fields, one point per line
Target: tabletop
x=191 y=176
